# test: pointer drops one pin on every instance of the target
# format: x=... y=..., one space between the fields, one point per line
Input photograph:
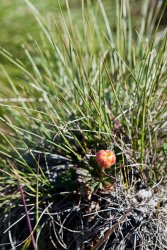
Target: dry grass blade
x=111 y=230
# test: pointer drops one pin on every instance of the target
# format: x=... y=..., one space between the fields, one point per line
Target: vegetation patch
x=83 y=129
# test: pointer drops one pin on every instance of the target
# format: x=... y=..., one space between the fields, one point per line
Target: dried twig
x=111 y=230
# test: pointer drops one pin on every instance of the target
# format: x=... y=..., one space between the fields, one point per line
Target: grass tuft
x=93 y=77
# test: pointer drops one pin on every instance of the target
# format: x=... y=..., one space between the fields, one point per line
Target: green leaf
x=165 y=148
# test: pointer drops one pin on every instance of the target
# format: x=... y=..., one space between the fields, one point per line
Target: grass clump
x=96 y=84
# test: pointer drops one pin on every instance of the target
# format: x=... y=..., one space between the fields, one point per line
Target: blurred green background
x=17 y=22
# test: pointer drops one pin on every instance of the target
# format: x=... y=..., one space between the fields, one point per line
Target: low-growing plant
x=83 y=150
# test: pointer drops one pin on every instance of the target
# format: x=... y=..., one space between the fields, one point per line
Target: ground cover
x=82 y=77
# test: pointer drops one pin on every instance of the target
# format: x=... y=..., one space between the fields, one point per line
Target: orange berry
x=105 y=158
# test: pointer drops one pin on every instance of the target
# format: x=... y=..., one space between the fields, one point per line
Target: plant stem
x=27 y=215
